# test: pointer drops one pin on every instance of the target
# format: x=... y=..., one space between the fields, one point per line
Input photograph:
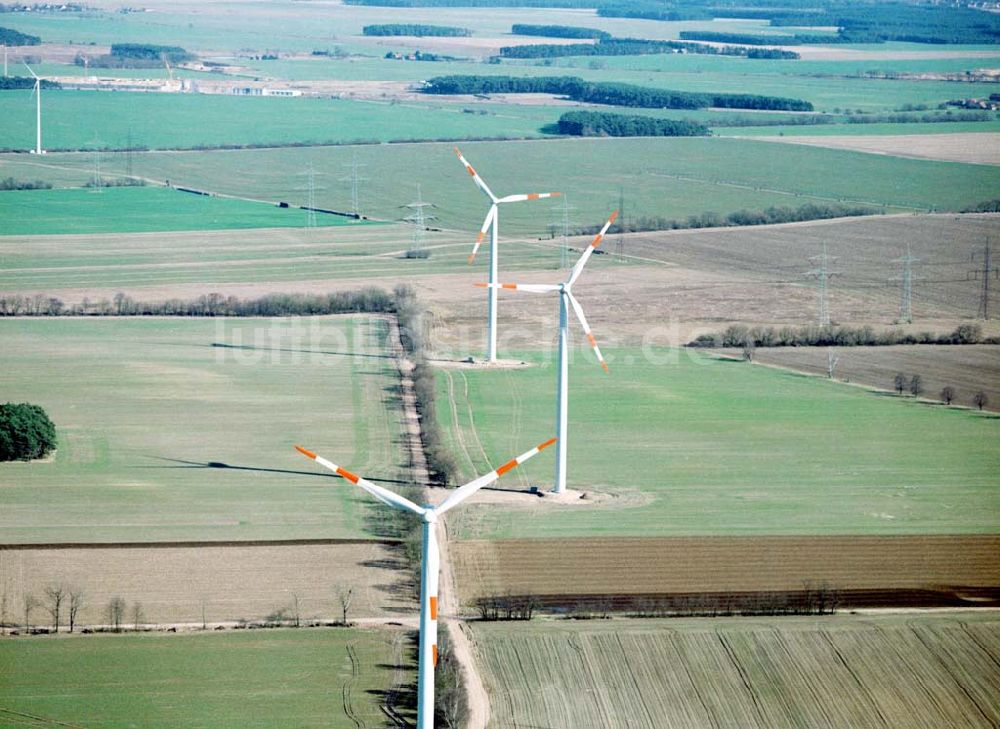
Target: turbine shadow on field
x=255 y=348
x=219 y=464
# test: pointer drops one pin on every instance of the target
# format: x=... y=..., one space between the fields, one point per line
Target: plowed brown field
x=862 y=570
x=232 y=582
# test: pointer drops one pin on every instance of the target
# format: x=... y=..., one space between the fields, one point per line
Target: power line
x=355 y=181
x=984 y=272
x=906 y=286
x=822 y=274
x=564 y=209
x=418 y=219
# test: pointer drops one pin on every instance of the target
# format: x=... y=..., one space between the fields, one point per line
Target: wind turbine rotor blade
x=533 y=288
x=475 y=176
x=578 y=268
x=528 y=196
x=586 y=330
x=384 y=495
x=462 y=493
x=491 y=217
x=31 y=72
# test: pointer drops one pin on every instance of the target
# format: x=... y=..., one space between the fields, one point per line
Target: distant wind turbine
x=492 y=223
x=430 y=560
x=566 y=300
x=37 y=91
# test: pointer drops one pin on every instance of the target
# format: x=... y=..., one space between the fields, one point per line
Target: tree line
x=413 y=333
x=611 y=94
x=11 y=37
x=369 y=299
x=601 y=124
x=639 y=47
x=559 y=31
x=13 y=83
x=443 y=31
x=769 y=216
x=875 y=22
x=738 y=335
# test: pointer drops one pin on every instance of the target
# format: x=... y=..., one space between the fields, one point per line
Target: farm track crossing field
x=141 y=210
x=164 y=436
x=274 y=678
x=870 y=570
x=215 y=583
x=668 y=178
x=966 y=369
x=927 y=671
x=677 y=443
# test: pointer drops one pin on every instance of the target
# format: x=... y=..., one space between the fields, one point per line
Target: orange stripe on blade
x=590 y=338
x=434 y=607
x=506 y=467
x=306 y=453
x=471 y=171
x=347 y=474
x=546 y=444
x=605 y=366
x=508 y=286
x=597 y=240
x=613 y=217
x=532 y=195
x=434 y=653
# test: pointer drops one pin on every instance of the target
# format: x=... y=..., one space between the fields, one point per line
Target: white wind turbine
x=427 y=652
x=492 y=223
x=566 y=299
x=38 y=112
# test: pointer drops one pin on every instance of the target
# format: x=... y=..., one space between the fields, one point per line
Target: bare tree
x=831 y=362
x=137 y=616
x=30 y=603
x=75 y=603
x=748 y=346
x=980 y=400
x=204 y=623
x=116 y=613
x=947 y=394
x=344 y=597
x=900 y=383
x=295 y=610
x=916 y=386
x=56 y=594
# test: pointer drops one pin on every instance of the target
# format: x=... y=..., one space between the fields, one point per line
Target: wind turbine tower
x=492 y=223
x=38 y=112
x=427 y=654
x=566 y=300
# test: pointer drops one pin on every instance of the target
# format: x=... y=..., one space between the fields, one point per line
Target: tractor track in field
x=25 y=719
x=453 y=406
x=347 y=689
x=392 y=695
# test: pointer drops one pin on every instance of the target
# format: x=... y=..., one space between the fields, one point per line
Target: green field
x=88 y=119
x=274 y=678
x=163 y=436
x=142 y=210
x=698 y=446
x=671 y=178
x=928 y=671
